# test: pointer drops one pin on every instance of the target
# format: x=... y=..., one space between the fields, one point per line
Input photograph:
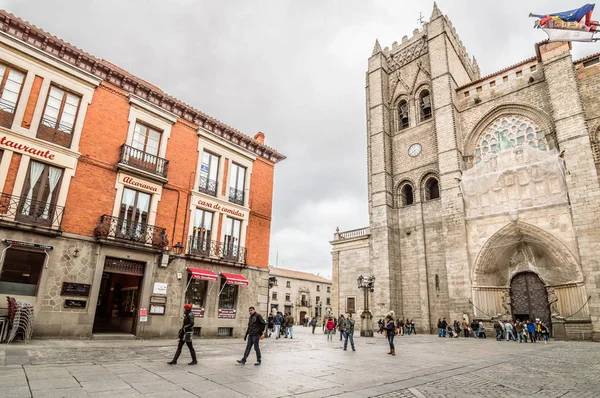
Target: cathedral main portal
x=529 y=298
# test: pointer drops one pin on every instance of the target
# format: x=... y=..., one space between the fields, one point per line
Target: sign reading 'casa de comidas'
x=223 y=209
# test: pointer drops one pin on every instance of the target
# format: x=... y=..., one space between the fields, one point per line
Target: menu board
x=75 y=303
x=75 y=289
x=226 y=314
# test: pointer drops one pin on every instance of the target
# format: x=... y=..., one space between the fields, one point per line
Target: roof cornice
x=116 y=76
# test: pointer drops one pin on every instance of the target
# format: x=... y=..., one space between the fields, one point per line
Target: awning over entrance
x=203 y=274
x=235 y=279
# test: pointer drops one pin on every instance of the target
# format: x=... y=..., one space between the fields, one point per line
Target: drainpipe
x=426 y=267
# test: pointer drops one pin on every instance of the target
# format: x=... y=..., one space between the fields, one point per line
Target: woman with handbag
x=185 y=335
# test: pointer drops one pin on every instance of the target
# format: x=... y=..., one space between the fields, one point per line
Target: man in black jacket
x=256 y=327
x=185 y=335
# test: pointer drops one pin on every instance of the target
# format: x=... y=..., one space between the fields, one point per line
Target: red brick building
x=119 y=200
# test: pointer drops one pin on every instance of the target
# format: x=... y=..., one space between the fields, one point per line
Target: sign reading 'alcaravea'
x=46 y=154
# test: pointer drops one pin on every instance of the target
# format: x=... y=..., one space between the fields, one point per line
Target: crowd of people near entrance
x=509 y=331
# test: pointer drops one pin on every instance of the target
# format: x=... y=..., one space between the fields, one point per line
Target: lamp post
x=272 y=282
x=366 y=284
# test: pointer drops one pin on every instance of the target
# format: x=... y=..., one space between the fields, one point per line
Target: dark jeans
x=252 y=341
x=348 y=336
x=180 y=346
x=391 y=341
x=341 y=334
x=314 y=326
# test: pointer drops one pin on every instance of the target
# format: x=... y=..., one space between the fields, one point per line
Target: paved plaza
x=307 y=366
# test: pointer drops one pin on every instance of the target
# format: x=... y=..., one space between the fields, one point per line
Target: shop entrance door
x=118 y=298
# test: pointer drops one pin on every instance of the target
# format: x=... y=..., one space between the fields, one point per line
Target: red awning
x=235 y=279
x=203 y=274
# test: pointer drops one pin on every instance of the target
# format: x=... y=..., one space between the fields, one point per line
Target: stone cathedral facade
x=484 y=197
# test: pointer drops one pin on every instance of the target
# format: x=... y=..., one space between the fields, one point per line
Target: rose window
x=509 y=131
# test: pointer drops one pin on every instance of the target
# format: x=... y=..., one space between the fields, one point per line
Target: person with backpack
x=531 y=331
x=313 y=323
x=254 y=332
x=330 y=326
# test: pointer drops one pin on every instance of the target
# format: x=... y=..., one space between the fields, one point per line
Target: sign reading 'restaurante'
x=43 y=153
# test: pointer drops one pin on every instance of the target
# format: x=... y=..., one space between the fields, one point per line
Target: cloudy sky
x=292 y=69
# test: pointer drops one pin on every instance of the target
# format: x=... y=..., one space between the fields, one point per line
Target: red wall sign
x=198 y=312
x=226 y=314
x=220 y=208
x=46 y=154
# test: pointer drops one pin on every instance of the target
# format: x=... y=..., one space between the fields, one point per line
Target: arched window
x=425 y=104
x=595 y=142
x=403 y=121
x=432 y=188
x=509 y=131
x=407 y=196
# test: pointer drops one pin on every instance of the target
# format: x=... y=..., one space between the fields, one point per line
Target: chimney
x=260 y=137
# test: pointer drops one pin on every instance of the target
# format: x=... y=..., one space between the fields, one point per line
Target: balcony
x=140 y=160
x=208 y=186
x=58 y=134
x=236 y=196
x=32 y=212
x=216 y=250
x=7 y=114
x=114 y=228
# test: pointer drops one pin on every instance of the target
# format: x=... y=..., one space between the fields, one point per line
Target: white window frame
x=144 y=112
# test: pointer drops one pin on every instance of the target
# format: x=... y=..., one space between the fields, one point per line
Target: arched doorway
x=529 y=298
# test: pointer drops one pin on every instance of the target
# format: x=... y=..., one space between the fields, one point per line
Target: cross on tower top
x=420 y=20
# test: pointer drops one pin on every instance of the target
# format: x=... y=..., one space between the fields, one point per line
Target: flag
x=568 y=25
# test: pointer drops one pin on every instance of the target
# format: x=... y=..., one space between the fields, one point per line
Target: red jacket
x=330 y=324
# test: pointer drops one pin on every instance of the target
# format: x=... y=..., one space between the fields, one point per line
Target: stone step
x=113 y=336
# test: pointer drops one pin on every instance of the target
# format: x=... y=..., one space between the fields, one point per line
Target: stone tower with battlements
x=456 y=229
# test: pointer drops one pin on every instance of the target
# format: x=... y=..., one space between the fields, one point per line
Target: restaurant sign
x=37 y=149
x=221 y=208
x=198 y=312
x=226 y=314
x=139 y=184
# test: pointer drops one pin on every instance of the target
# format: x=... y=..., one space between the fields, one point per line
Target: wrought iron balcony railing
x=33 y=212
x=207 y=186
x=144 y=161
x=236 y=196
x=60 y=134
x=124 y=230
x=7 y=114
x=215 y=249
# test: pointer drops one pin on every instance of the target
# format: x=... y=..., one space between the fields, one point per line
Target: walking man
x=341 y=322
x=277 y=321
x=185 y=335
x=313 y=323
x=349 y=332
x=289 y=326
x=254 y=332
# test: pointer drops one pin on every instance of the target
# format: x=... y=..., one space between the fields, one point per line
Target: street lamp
x=272 y=282
x=366 y=284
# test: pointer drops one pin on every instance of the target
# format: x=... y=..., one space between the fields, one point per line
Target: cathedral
x=484 y=197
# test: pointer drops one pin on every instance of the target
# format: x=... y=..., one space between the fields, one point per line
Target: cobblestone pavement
x=307 y=366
